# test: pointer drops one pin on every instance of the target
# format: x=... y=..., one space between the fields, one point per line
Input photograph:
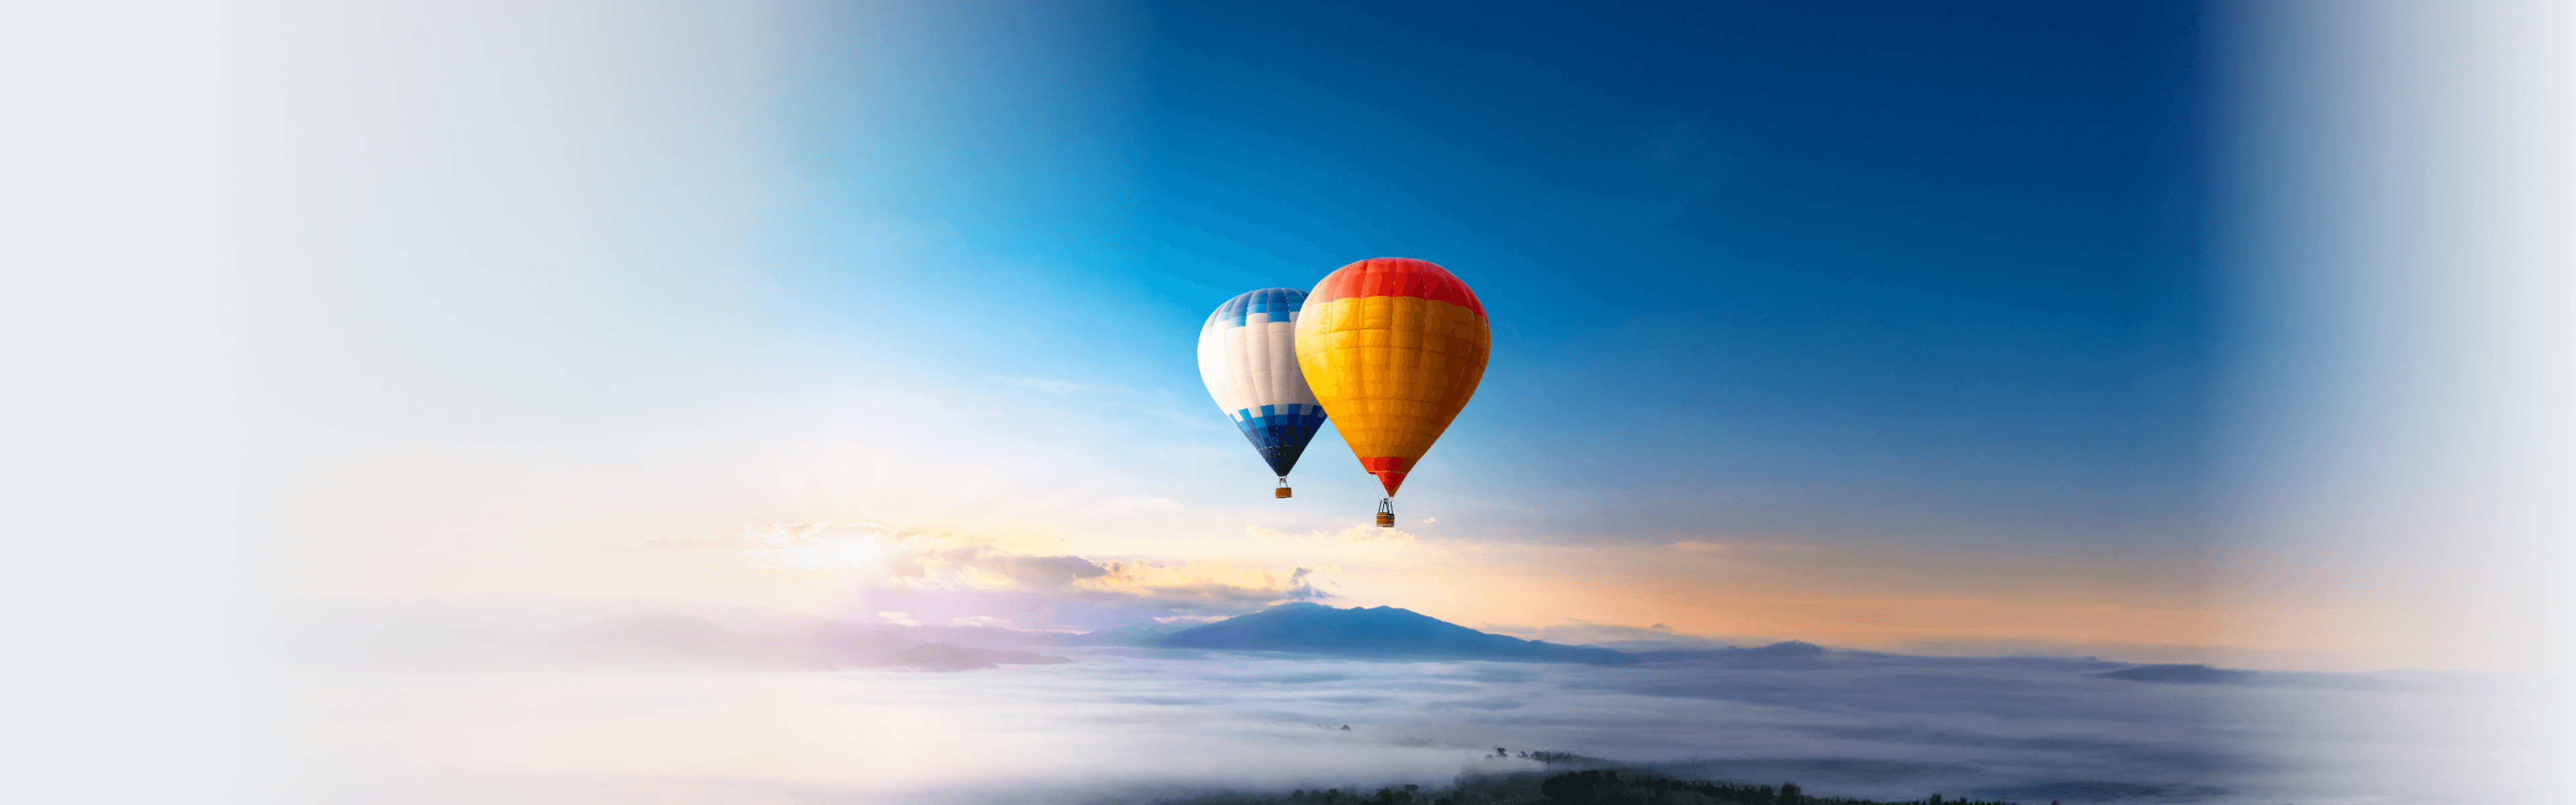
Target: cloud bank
x=909 y=577
x=1125 y=725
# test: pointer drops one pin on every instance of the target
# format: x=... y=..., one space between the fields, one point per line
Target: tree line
x=1592 y=787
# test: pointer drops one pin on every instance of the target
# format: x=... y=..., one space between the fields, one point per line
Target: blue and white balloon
x=1248 y=356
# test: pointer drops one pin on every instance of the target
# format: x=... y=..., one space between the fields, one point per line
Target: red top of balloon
x=1395 y=276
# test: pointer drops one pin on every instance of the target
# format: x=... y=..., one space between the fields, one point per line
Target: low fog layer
x=1118 y=723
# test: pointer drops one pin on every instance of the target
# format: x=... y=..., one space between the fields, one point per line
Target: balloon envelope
x=1393 y=347
x=1248 y=356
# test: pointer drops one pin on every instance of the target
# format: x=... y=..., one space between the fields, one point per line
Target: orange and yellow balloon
x=1393 y=348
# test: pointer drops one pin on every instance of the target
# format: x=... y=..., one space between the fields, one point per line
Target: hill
x=1377 y=633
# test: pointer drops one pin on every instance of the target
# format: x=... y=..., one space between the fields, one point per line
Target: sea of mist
x=1131 y=725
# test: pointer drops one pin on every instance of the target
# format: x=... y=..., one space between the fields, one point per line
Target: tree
x=1790 y=795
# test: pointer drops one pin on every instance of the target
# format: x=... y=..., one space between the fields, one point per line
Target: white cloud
x=946 y=578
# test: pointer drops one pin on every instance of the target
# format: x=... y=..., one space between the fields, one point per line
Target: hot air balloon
x=1248 y=356
x=1393 y=347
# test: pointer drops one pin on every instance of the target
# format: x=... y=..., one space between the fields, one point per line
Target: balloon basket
x=1280 y=492
x=1386 y=513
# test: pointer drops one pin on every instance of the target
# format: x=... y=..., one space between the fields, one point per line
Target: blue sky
x=1869 y=326
x=1895 y=326
x=1851 y=272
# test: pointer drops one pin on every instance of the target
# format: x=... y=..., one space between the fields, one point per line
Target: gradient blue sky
x=1871 y=325
x=1880 y=325
x=1874 y=271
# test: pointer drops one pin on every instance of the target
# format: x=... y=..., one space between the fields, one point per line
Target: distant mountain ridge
x=798 y=643
x=427 y=636
x=2189 y=674
x=1377 y=632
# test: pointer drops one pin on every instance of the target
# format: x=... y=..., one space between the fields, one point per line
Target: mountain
x=1380 y=632
x=841 y=643
x=1784 y=655
x=1000 y=657
x=786 y=642
x=849 y=645
x=1133 y=636
x=984 y=637
x=428 y=635
x=2185 y=674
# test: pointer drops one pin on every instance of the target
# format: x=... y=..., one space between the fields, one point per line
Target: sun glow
x=819 y=546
